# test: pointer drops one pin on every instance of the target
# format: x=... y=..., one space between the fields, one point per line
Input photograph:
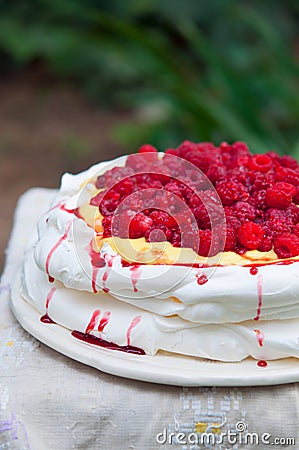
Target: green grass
x=217 y=70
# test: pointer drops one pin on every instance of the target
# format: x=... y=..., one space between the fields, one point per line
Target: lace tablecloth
x=48 y=401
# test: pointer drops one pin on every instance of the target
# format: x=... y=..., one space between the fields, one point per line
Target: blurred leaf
x=217 y=70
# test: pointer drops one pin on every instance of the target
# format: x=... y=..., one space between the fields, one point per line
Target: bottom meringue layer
x=123 y=324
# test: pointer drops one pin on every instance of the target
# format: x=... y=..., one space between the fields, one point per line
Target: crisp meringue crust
x=220 y=318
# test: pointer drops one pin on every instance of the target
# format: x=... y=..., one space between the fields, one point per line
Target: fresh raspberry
x=258 y=199
x=139 y=225
x=121 y=224
x=161 y=173
x=172 y=151
x=109 y=202
x=260 y=181
x=216 y=173
x=209 y=244
x=240 y=175
x=259 y=194
x=161 y=217
x=158 y=233
x=232 y=222
x=173 y=187
x=296 y=229
x=289 y=161
x=176 y=238
x=112 y=176
x=164 y=200
x=124 y=187
x=286 y=245
x=240 y=149
x=190 y=239
x=267 y=244
x=243 y=211
x=292 y=212
x=250 y=235
x=209 y=212
x=194 y=201
x=240 y=249
x=231 y=192
x=149 y=185
x=287 y=175
x=275 y=158
x=202 y=217
x=147 y=148
x=230 y=239
x=260 y=163
x=101 y=182
x=280 y=195
x=278 y=225
x=201 y=155
x=296 y=198
x=106 y=224
x=96 y=200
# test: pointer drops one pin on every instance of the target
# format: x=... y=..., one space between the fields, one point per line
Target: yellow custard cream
x=140 y=251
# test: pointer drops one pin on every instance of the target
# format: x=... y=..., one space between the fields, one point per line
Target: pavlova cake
x=192 y=251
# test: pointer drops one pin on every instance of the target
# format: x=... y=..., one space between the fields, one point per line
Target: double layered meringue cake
x=193 y=251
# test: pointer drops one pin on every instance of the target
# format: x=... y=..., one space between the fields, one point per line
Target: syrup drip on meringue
x=260 y=297
x=135 y=275
x=260 y=337
x=262 y=363
x=104 y=321
x=109 y=260
x=45 y=318
x=55 y=247
x=94 y=279
x=202 y=279
x=97 y=262
x=132 y=325
x=93 y=321
x=253 y=270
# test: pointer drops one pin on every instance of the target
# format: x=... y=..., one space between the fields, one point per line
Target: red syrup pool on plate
x=90 y=339
x=46 y=319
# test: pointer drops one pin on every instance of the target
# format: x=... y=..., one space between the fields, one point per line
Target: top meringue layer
x=227 y=288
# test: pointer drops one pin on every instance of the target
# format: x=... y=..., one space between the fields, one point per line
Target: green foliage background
x=203 y=70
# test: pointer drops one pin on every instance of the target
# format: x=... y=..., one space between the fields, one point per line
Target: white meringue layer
x=74 y=309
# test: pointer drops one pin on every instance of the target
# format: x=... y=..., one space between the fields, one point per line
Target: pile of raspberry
x=259 y=194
